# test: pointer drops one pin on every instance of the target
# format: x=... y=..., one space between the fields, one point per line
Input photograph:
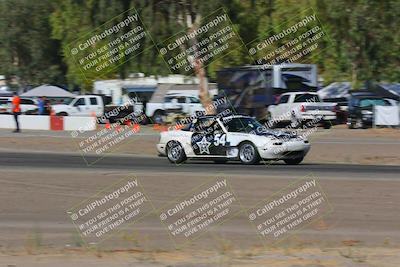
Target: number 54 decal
x=220 y=139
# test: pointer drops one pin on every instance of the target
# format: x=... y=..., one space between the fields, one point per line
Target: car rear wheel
x=360 y=124
x=175 y=152
x=248 y=154
x=294 y=161
x=327 y=125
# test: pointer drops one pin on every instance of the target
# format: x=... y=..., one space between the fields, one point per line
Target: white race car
x=231 y=138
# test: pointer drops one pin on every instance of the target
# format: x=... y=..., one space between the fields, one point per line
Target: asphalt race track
x=137 y=163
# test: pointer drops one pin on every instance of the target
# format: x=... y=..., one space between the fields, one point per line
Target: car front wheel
x=248 y=154
x=175 y=152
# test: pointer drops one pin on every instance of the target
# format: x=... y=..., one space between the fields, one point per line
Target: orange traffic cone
x=136 y=128
x=93 y=115
x=108 y=124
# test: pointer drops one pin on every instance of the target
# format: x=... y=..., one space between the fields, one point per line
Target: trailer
x=251 y=89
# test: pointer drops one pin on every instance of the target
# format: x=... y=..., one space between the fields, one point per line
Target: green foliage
x=36 y=36
x=27 y=52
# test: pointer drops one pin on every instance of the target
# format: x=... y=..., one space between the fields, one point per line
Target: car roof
x=368 y=97
x=224 y=118
x=179 y=94
x=290 y=93
x=362 y=93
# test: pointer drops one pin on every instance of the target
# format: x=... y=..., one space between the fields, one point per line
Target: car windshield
x=252 y=126
x=243 y=125
x=373 y=102
x=306 y=98
x=67 y=101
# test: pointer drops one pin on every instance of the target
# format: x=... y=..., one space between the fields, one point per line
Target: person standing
x=47 y=106
x=41 y=106
x=16 y=110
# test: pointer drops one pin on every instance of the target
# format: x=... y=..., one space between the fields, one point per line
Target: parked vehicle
x=231 y=138
x=177 y=102
x=4 y=105
x=98 y=105
x=361 y=109
x=84 y=105
x=251 y=89
x=303 y=107
x=28 y=106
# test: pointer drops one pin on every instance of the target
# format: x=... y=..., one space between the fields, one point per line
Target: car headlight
x=366 y=112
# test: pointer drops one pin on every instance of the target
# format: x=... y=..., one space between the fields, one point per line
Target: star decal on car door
x=204 y=145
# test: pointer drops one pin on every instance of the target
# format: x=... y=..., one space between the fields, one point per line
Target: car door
x=80 y=107
x=95 y=106
x=171 y=103
x=194 y=105
x=208 y=138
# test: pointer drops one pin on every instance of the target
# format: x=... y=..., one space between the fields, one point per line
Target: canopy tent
x=335 y=90
x=47 y=91
x=389 y=90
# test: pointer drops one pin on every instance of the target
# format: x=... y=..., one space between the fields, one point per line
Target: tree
x=28 y=54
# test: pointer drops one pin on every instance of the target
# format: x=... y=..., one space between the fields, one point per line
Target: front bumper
x=161 y=149
x=288 y=150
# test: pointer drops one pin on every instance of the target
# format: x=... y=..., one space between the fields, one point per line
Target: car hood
x=279 y=134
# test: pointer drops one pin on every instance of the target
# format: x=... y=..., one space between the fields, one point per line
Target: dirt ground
x=362 y=231
x=296 y=256
x=35 y=231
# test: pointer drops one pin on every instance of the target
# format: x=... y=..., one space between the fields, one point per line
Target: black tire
x=364 y=125
x=158 y=116
x=351 y=125
x=62 y=114
x=248 y=153
x=175 y=152
x=327 y=125
x=294 y=161
x=360 y=124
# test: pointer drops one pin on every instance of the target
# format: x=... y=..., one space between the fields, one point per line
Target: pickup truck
x=83 y=106
x=89 y=105
x=302 y=107
x=177 y=102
